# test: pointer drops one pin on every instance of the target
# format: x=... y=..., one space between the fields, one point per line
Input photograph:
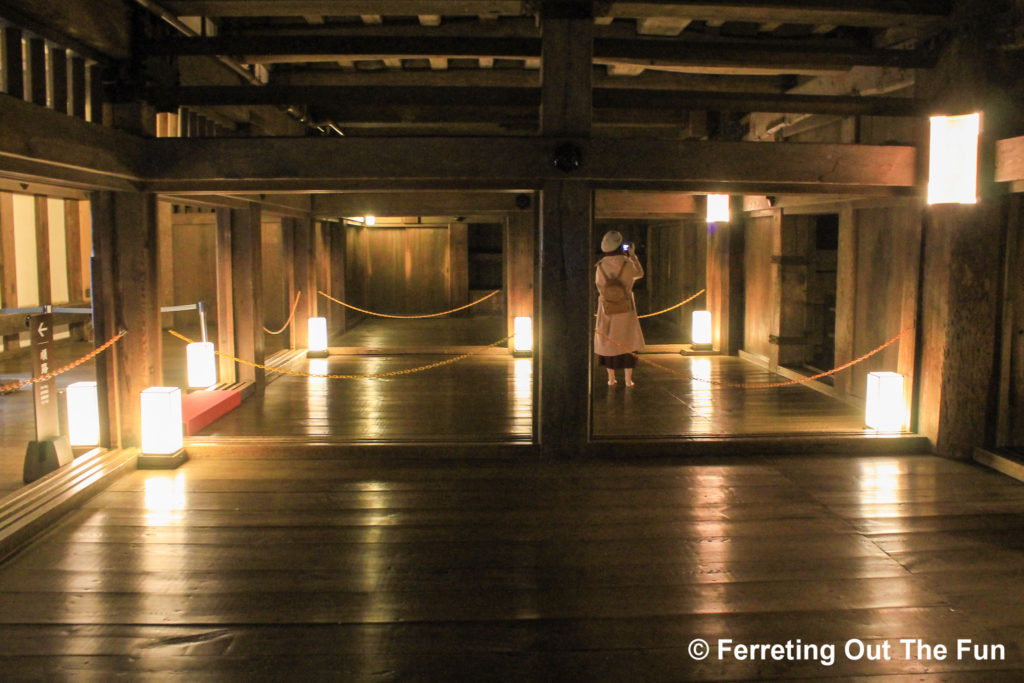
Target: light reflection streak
x=700 y=392
x=523 y=383
x=164 y=498
x=879 y=483
x=316 y=397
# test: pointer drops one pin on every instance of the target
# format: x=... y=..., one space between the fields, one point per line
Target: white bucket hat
x=611 y=241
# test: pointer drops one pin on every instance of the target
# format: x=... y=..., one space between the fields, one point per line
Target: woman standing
x=617 y=335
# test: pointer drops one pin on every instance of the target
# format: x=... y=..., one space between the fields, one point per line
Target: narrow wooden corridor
x=315 y=565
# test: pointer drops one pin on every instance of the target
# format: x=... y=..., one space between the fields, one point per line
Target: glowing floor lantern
x=317 y=338
x=701 y=329
x=202 y=364
x=522 y=340
x=953 y=159
x=162 y=432
x=885 y=408
x=83 y=414
x=718 y=208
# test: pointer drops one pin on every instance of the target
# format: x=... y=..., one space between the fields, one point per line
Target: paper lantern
x=884 y=406
x=522 y=340
x=83 y=414
x=718 y=208
x=701 y=328
x=202 y=364
x=953 y=159
x=318 y=336
x=162 y=432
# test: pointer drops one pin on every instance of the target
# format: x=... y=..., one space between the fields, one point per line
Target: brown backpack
x=614 y=293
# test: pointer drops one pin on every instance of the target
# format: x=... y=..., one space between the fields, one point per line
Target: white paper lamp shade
x=701 y=327
x=83 y=414
x=884 y=407
x=318 y=334
x=162 y=432
x=202 y=364
x=522 y=339
x=718 y=208
x=953 y=159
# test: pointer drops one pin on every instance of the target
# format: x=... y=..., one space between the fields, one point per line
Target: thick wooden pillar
x=458 y=266
x=322 y=239
x=305 y=280
x=8 y=274
x=337 y=284
x=567 y=208
x=165 y=259
x=94 y=112
x=724 y=284
x=789 y=307
x=75 y=269
x=125 y=296
x=225 y=298
x=520 y=241
x=963 y=247
x=43 y=250
x=247 y=293
x=13 y=71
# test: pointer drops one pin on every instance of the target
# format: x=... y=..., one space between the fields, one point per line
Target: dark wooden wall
x=402 y=271
x=192 y=269
x=276 y=300
x=676 y=264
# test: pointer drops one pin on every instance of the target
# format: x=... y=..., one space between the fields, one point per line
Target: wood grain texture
x=520 y=569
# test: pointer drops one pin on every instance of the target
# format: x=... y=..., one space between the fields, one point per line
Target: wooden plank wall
x=1011 y=405
x=759 y=240
x=276 y=302
x=676 y=263
x=887 y=244
x=397 y=270
x=193 y=269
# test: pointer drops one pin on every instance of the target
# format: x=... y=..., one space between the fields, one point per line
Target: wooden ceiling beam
x=221 y=165
x=759 y=54
x=413 y=98
x=292 y=8
x=434 y=203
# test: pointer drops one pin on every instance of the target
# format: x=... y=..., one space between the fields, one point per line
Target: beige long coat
x=623 y=329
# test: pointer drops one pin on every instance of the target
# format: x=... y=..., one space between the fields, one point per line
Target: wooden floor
x=327 y=567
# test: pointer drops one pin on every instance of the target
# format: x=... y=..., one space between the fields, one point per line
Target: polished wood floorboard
x=419 y=568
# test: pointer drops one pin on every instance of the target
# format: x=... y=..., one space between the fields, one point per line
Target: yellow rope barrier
x=408 y=317
x=666 y=310
x=379 y=375
x=290 y=315
x=766 y=385
x=7 y=388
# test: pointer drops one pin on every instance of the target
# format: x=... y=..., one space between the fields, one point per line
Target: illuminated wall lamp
x=369 y=220
x=884 y=407
x=700 y=330
x=202 y=364
x=718 y=208
x=162 y=432
x=522 y=339
x=953 y=159
x=83 y=414
x=317 y=338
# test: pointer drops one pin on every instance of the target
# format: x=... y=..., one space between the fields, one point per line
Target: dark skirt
x=623 y=360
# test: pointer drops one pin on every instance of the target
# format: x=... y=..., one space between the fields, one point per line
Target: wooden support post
x=790 y=307
x=75 y=267
x=337 y=285
x=43 y=250
x=567 y=209
x=165 y=260
x=8 y=274
x=846 y=297
x=247 y=288
x=288 y=264
x=724 y=284
x=12 y=62
x=225 y=299
x=36 y=71
x=458 y=266
x=78 y=87
x=58 y=63
x=125 y=295
x=305 y=280
x=94 y=111
x=520 y=241
x=322 y=235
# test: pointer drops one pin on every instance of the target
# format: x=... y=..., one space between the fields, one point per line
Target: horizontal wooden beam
x=872 y=13
x=626 y=204
x=434 y=203
x=94 y=29
x=367 y=103
x=41 y=145
x=292 y=205
x=662 y=52
x=217 y=165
